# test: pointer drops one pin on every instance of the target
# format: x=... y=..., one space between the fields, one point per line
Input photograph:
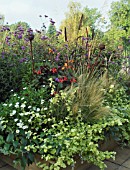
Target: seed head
x=101 y=46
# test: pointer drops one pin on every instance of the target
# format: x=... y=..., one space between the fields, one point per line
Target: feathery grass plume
x=88 y=97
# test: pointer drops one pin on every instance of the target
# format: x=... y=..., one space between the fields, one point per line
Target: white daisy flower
x=17 y=131
x=38 y=109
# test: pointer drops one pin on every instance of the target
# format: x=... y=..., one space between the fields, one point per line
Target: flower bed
x=55 y=135
x=61 y=104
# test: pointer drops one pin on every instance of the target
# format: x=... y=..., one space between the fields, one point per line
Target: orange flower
x=37 y=72
x=71 y=61
x=65 y=65
x=51 y=51
x=63 y=68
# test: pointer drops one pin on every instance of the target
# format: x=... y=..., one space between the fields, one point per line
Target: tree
x=1 y=19
x=91 y=17
x=51 y=30
x=77 y=20
x=120 y=15
x=71 y=22
x=24 y=25
x=119 y=29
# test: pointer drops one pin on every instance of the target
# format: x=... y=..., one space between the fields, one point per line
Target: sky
x=29 y=10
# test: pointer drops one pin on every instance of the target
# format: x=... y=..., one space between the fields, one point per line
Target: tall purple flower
x=58 y=33
x=19 y=36
x=3 y=54
x=20 y=28
x=52 y=22
x=57 y=57
x=30 y=34
x=23 y=48
x=57 y=79
x=44 y=37
x=45 y=16
x=7 y=39
x=23 y=60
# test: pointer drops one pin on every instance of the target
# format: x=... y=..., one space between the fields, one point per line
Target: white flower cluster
x=13 y=113
x=17 y=105
x=21 y=125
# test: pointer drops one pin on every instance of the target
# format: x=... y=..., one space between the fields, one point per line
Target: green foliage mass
x=119 y=29
x=28 y=127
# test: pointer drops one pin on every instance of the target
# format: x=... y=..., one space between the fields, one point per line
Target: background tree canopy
x=119 y=28
x=78 y=19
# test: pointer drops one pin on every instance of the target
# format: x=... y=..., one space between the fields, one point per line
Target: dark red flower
x=38 y=72
x=88 y=66
x=61 y=80
x=54 y=70
x=65 y=78
x=73 y=80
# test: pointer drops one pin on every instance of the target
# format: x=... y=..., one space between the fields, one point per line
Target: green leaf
x=1 y=140
x=10 y=137
x=15 y=144
x=7 y=147
x=24 y=141
x=31 y=157
x=53 y=151
x=23 y=162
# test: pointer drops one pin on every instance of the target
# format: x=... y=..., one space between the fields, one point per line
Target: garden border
x=109 y=144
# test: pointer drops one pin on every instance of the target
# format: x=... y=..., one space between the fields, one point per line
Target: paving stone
x=127 y=163
x=122 y=154
x=110 y=166
x=93 y=168
x=2 y=163
x=7 y=168
x=122 y=168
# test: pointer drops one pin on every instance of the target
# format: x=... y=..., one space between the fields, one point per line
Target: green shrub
x=118 y=100
x=31 y=125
